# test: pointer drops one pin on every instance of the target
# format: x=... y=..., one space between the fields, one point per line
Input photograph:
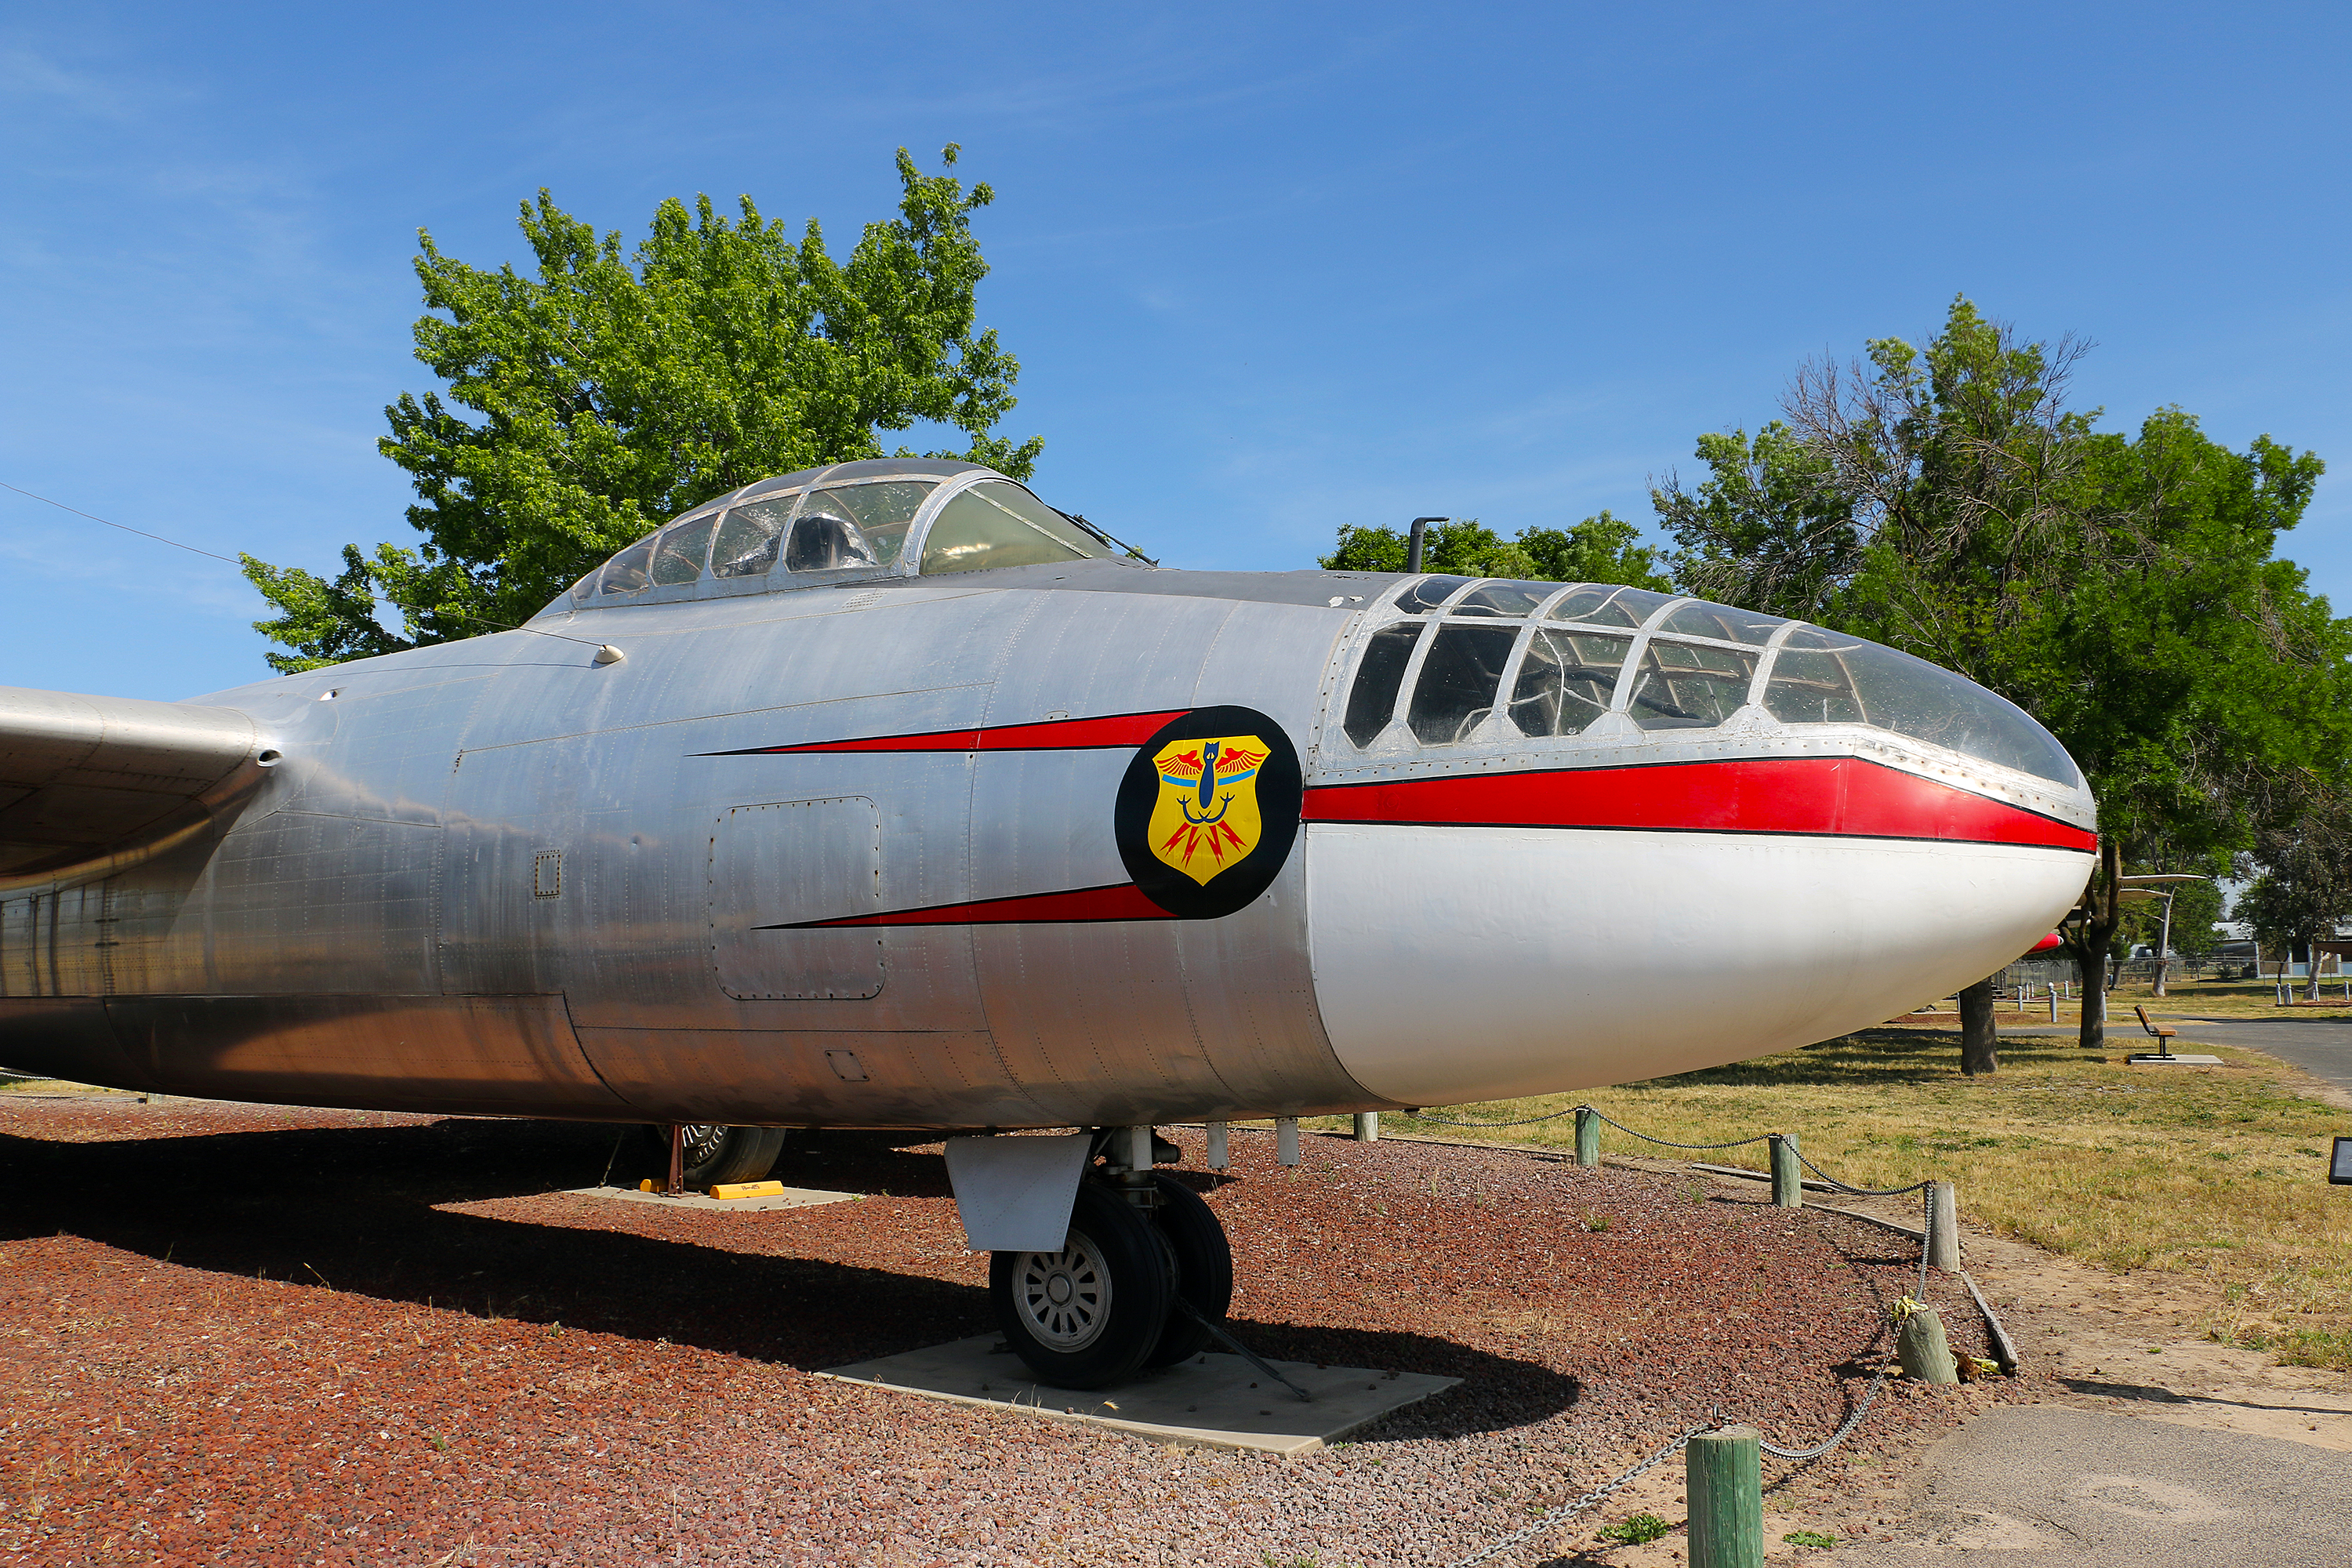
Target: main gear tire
x=713 y=1154
x=1088 y=1315
x=1204 y=1270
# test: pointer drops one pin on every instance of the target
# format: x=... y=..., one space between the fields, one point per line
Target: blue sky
x=1268 y=270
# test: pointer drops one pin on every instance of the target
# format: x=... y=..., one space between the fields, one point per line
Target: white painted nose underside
x=1455 y=965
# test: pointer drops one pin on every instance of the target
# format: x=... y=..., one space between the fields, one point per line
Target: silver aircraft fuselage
x=1081 y=843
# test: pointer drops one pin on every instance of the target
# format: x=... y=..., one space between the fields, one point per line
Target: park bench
x=2163 y=1036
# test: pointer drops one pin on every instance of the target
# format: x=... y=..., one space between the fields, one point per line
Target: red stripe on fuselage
x=1834 y=796
x=1048 y=735
x=1079 y=906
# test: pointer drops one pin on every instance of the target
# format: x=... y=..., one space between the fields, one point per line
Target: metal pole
x=676 y=1159
x=1368 y=1127
x=1724 y=1483
x=1286 y=1140
x=1218 y=1158
x=1414 y=541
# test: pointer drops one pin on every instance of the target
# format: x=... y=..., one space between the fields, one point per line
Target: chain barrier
x=1552 y=1516
x=1451 y=1121
x=1859 y=1192
x=1926 y=1242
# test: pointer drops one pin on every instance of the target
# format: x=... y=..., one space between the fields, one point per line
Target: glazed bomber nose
x=1612 y=835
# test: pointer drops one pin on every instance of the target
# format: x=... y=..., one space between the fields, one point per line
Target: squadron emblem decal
x=1208 y=810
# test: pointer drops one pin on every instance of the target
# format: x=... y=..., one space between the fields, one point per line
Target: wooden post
x=1368 y=1127
x=1724 y=1483
x=1920 y=1345
x=1588 y=1138
x=1944 y=1226
x=1788 y=1187
x=1286 y=1140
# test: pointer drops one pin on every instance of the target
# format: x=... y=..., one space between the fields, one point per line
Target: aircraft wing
x=81 y=776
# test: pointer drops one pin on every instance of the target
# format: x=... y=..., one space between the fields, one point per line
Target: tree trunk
x=1979 y=1038
x=2089 y=941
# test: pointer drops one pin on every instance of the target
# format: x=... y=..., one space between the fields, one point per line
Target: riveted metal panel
x=777 y=866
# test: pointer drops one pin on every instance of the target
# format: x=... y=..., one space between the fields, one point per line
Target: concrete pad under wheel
x=1208 y=1401
x=790 y=1198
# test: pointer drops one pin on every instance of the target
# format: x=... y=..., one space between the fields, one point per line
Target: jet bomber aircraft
x=887 y=796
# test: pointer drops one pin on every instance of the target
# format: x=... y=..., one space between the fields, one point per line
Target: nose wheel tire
x=1089 y=1314
x=1204 y=1270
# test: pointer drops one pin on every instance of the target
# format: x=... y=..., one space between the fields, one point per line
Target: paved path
x=2043 y=1484
x=2321 y=1046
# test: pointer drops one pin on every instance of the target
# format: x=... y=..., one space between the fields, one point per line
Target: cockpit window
x=1681 y=687
x=1371 y=701
x=825 y=537
x=679 y=554
x=1607 y=605
x=1513 y=599
x=1458 y=681
x=996 y=523
x=1428 y=595
x=627 y=572
x=1566 y=681
x=747 y=535
x=1699 y=619
x=1823 y=677
x=882 y=511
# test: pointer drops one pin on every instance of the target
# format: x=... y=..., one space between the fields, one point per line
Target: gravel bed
x=244 y=1334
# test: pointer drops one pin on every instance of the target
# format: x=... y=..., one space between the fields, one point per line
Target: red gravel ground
x=236 y=1334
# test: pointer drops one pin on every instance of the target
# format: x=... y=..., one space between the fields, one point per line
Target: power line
x=536 y=631
x=125 y=527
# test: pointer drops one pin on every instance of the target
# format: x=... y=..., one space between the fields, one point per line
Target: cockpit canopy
x=1495 y=661
x=832 y=524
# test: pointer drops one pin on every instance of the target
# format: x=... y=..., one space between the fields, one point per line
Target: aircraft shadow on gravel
x=356 y=1207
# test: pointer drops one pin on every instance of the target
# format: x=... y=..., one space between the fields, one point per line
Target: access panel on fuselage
x=776 y=871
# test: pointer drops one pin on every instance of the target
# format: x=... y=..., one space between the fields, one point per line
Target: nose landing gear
x=1103 y=1307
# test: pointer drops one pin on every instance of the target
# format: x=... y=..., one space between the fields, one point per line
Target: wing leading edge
x=86 y=777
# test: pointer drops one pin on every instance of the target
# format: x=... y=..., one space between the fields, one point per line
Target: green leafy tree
x=606 y=393
x=1601 y=549
x=2304 y=890
x=2123 y=589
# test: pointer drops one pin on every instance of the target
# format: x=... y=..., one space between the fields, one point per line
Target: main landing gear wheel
x=1091 y=1314
x=713 y=1154
x=1204 y=1270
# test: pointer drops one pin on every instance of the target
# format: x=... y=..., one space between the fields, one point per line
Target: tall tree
x=2304 y=890
x=1603 y=548
x=2122 y=589
x=608 y=392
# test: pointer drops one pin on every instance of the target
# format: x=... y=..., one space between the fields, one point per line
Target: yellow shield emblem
x=1206 y=817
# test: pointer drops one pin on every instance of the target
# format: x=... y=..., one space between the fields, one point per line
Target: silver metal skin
x=500 y=875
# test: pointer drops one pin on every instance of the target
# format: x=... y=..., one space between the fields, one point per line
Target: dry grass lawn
x=2217 y=1173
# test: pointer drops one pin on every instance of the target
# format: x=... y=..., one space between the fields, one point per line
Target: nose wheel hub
x=1063 y=1298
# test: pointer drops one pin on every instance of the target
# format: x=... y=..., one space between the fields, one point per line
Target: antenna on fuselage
x=1413 y=543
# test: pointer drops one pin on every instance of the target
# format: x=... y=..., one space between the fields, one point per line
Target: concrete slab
x=2176 y=1059
x=790 y=1198
x=1208 y=1401
x=2050 y=1484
